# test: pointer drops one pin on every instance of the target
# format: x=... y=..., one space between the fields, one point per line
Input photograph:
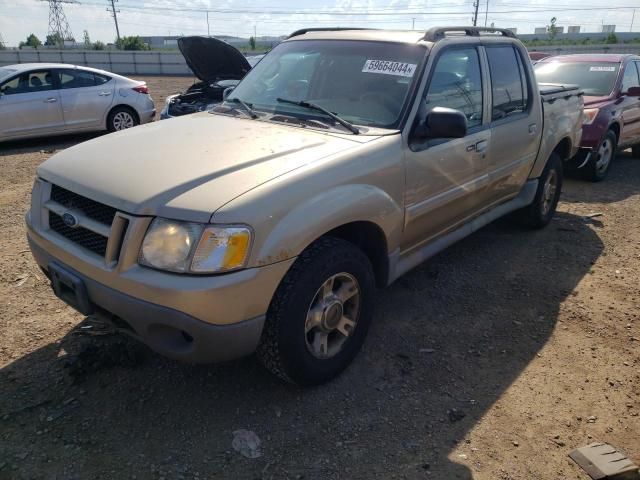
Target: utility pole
x=633 y=17
x=255 y=36
x=208 y=32
x=486 y=13
x=114 y=13
x=413 y=23
x=476 y=4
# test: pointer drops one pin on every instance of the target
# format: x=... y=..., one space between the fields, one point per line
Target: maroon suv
x=611 y=85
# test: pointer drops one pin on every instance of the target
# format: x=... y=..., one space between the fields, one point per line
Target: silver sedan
x=39 y=99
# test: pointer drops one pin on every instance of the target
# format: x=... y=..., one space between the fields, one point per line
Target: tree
x=611 y=38
x=252 y=43
x=54 y=40
x=32 y=41
x=552 y=29
x=131 y=43
x=98 y=45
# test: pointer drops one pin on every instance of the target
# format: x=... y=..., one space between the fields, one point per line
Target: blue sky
x=18 y=18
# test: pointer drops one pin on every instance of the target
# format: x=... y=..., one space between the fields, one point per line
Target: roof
x=590 y=57
x=25 y=67
x=400 y=36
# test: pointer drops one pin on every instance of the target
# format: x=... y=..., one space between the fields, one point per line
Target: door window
x=28 y=82
x=508 y=84
x=457 y=83
x=630 y=77
x=77 y=79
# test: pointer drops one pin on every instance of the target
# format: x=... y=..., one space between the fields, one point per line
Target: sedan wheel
x=122 y=121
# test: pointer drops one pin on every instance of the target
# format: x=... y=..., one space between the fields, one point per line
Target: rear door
x=86 y=97
x=515 y=122
x=30 y=105
x=445 y=176
x=630 y=133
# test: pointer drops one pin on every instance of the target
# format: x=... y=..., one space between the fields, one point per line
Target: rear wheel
x=320 y=313
x=121 y=118
x=540 y=212
x=635 y=151
x=598 y=167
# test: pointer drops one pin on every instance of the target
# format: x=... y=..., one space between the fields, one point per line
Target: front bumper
x=196 y=319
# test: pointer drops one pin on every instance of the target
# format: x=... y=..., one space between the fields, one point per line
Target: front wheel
x=320 y=313
x=598 y=167
x=635 y=151
x=540 y=212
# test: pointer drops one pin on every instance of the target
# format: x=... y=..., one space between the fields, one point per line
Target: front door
x=630 y=106
x=445 y=176
x=30 y=105
x=86 y=97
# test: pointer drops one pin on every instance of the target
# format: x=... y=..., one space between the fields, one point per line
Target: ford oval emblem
x=69 y=220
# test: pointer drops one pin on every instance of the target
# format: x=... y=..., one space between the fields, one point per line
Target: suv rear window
x=509 y=91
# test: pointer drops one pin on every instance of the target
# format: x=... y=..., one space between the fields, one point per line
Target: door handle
x=533 y=128
x=51 y=100
x=481 y=146
x=104 y=94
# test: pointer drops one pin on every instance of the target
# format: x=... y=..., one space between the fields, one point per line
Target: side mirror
x=226 y=92
x=633 y=92
x=441 y=122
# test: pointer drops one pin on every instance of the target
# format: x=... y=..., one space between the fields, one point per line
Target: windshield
x=364 y=83
x=595 y=78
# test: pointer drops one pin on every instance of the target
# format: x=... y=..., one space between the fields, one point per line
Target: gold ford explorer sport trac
x=341 y=161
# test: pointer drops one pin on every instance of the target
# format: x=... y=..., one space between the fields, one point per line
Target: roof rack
x=438 y=33
x=302 y=31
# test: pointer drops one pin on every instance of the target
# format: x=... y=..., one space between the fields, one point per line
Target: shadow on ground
x=46 y=144
x=620 y=183
x=448 y=339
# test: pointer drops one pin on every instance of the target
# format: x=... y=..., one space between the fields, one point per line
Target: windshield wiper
x=312 y=106
x=244 y=105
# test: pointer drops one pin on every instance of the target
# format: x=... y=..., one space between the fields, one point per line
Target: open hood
x=211 y=59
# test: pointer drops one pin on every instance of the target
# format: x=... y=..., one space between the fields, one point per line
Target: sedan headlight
x=194 y=248
x=590 y=115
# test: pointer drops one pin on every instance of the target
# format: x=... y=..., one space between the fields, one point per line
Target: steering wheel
x=382 y=99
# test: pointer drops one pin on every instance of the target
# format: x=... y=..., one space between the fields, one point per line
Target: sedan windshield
x=364 y=83
x=595 y=78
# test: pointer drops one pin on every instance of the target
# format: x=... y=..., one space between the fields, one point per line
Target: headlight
x=193 y=247
x=590 y=115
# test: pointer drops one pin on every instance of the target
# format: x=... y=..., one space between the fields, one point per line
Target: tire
x=598 y=167
x=635 y=151
x=121 y=118
x=299 y=356
x=540 y=212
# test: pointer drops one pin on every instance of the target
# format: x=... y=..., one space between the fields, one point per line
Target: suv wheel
x=320 y=313
x=635 y=151
x=598 y=167
x=121 y=118
x=543 y=207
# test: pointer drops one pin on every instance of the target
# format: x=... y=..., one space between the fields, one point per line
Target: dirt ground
x=491 y=361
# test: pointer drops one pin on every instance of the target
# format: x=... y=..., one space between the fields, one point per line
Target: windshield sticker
x=388 y=67
x=602 y=69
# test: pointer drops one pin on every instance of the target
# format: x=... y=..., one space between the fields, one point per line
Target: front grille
x=92 y=209
x=83 y=237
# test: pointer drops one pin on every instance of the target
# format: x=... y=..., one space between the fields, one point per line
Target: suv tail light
x=141 y=89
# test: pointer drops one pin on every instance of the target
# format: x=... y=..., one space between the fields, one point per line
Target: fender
x=330 y=209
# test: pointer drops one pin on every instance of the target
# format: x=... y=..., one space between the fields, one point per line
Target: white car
x=39 y=99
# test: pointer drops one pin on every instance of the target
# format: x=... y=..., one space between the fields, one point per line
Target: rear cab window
x=508 y=82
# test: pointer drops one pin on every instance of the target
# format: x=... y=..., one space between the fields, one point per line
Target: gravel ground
x=491 y=361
